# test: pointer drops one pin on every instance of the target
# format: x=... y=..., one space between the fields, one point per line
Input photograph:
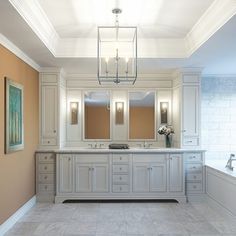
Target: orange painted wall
x=17 y=170
x=141 y=123
x=97 y=122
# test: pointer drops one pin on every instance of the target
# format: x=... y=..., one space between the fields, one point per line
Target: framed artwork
x=14 y=117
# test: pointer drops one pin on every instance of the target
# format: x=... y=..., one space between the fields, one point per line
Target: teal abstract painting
x=14 y=138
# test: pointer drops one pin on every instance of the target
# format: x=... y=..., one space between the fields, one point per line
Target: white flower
x=166 y=130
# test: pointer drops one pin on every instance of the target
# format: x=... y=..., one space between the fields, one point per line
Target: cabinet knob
x=45 y=177
x=54 y=131
x=69 y=158
x=45 y=167
x=184 y=130
x=48 y=141
x=45 y=157
x=194 y=186
x=194 y=176
x=120 y=158
x=120 y=168
x=120 y=188
x=120 y=178
x=45 y=186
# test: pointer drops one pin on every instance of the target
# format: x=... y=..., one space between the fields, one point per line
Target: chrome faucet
x=229 y=162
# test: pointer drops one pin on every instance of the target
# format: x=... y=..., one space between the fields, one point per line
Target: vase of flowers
x=167 y=131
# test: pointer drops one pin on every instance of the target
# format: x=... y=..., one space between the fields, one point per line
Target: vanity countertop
x=131 y=150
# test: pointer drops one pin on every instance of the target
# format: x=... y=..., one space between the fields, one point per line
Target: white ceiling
x=154 y=18
x=215 y=53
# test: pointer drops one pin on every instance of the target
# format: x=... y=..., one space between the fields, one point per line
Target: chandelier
x=117 y=53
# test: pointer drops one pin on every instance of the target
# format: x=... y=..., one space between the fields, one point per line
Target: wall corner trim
x=18 y=52
x=8 y=224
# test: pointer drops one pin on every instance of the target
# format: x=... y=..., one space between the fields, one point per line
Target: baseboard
x=4 y=227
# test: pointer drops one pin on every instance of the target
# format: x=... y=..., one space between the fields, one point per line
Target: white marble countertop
x=131 y=150
x=220 y=166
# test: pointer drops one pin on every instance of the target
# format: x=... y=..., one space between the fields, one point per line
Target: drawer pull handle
x=120 y=178
x=189 y=141
x=45 y=167
x=120 y=168
x=46 y=187
x=45 y=177
x=45 y=157
x=194 y=167
x=120 y=188
x=120 y=158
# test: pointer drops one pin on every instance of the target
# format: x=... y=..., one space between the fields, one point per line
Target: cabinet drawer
x=120 y=188
x=120 y=179
x=91 y=158
x=194 y=167
x=194 y=177
x=120 y=168
x=45 y=157
x=193 y=157
x=194 y=187
x=160 y=158
x=45 y=168
x=120 y=158
x=46 y=188
x=49 y=141
x=190 y=141
x=46 y=178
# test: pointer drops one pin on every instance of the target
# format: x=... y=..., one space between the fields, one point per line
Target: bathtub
x=221 y=184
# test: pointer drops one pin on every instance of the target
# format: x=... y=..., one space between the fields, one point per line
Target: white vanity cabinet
x=127 y=175
x=65 y=173
x=52 y=109
x=149 y=173
x=49 y=120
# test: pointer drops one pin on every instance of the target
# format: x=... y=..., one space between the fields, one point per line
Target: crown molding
x=19 y=53
x=212 y=20
x=38 y=21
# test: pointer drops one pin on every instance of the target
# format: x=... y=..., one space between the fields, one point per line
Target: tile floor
x=124 y=219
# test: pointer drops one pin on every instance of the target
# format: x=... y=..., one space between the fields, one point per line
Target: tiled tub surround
x=124 y=219
x=218 y=112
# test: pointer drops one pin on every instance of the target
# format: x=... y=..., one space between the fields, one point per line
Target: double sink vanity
x=75 y=112
x=136 y=173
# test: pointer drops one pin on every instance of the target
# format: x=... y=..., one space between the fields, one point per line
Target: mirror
x=97 y=115
x=142 y=115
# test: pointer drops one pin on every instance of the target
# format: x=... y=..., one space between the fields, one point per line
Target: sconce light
x=164 y=112
x=119 y=113
x=74 y=113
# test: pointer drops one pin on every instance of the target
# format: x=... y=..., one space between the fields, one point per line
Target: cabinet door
x=176 y=173
x=140 y=177
x=83 y=180
x=65 y=174
x=100 y=178
x=158 y=177
x=190 y=110
x=49 y=111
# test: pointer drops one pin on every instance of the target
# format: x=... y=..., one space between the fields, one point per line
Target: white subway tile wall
x=218 y=117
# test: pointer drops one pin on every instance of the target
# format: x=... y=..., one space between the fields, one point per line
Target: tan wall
x=141 y=123
x=97 y=122
x=17 y=170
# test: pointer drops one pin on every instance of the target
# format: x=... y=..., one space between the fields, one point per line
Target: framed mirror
x=142 y=121
x=97 y=115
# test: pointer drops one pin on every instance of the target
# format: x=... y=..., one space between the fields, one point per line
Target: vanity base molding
x=179 y=199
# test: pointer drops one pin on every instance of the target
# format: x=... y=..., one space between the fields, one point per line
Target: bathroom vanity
x=119 y=174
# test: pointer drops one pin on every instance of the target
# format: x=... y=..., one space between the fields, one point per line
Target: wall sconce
x=119 y=113
x=74 y=113
x=164 y=112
